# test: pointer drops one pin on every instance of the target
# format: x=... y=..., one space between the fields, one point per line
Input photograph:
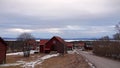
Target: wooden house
x=3 y=49
x=56 y=44
x=42 y=45
x=88 y=45
x=81 y=45
x=69 y=45
x=32 y=43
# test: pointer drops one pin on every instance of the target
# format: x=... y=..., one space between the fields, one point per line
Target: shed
x=69 y=45
x=81 y=45
x=89 y=45
x=3 y=49
x=32 y=43
x=56 y=44
x=42 y=44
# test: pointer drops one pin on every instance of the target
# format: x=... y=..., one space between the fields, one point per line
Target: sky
x=64 y=18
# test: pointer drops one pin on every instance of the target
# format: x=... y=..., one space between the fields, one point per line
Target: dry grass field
x=12 y=59
x=66 y=61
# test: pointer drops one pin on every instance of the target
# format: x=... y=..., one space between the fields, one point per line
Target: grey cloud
x=45 y=14
x=59 y=9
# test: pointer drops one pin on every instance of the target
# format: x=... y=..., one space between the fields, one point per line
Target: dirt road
x=100 y=62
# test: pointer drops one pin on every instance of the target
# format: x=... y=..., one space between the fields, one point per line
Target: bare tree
x=117 y=27
x=117 y=35
x=26 y=39
x=104 y=47
x=106 y=38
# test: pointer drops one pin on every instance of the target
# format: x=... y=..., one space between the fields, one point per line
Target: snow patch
x=49 y=56
x=38 y=61
x=31 y=64
x=20 y=61
x=28 y=64
x=20 y=53
x=13 y=64
x=71 y=52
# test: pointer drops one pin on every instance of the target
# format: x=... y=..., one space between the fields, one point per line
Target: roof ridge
x=3 y=41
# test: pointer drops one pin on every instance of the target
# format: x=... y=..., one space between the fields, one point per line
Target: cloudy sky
x=65 y=18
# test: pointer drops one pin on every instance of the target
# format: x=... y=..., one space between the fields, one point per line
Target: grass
x=18 y=66
x=14 y=58
x=66 y=61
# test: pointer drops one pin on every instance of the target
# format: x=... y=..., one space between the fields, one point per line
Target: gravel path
x=100 y=62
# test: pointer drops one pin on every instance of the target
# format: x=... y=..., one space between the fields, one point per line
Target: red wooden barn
x=69 y=45
x=3 y=49
x=42 y=44
x=56 y=44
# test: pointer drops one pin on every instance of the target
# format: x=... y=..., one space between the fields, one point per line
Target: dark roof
x=60 y=39
x=69 y=44
x=1 y=40
x=81 y=44
x=43 y=41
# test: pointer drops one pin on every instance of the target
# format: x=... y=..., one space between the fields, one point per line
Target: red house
x=69 y=45
x=32 y=43
x=81 y=45
x=89 y=45
x=56 y=44
x=3 y=49
x=42 y=45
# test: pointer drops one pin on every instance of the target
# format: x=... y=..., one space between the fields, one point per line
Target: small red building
x=69 y=45
x=42 y=45
x=88 y=45
x=32 y=43
x=81 y=45
x=3 y=49
x=56 y=44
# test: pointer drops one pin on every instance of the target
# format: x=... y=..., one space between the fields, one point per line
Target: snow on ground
x=20 y=53
x=32 y=63
x=29 y=64
x=12 y=64
x=71 y=52
x=49 y=56
x=38 y=61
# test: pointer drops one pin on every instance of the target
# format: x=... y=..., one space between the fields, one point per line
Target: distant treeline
x=14 y=46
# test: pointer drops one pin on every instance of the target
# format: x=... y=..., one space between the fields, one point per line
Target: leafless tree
x=26 y=39
x=117 y=27
x=104 y=47
x=106 y=38
x=117 y=35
